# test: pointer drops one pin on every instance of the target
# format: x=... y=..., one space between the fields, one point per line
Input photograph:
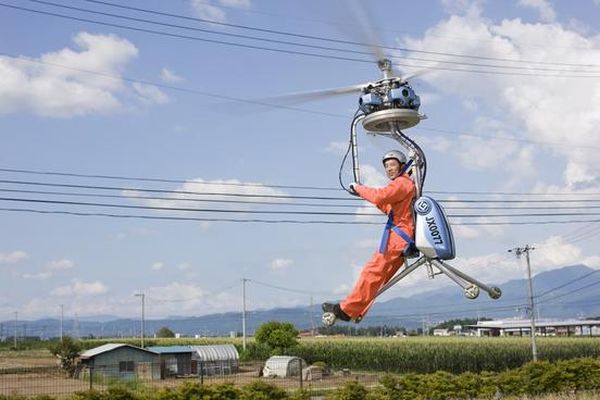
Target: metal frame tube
x=354 y=143
x=466 y=277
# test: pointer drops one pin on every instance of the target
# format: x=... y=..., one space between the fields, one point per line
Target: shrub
x=260 y=390
x=352 y=390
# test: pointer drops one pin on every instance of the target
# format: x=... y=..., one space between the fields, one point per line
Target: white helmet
x=395 y=154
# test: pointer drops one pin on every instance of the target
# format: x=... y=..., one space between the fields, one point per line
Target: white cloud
x=210 y=10
x=338 y=148
x=236 y=3
x=543 y=7
x=225 y=187
x=537 y=105
x=150 y=94
x=372 y=176
x=463 y=7
x=39 y=276
x=60 y=264
x=206 y=10
x=184 y=266
x=281 y=263
x=44 y=88
x=80 y=288
x=169 y=76
x=157 y=266
x=14 y=257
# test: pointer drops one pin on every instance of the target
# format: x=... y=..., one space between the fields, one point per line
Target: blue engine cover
x=433 y=234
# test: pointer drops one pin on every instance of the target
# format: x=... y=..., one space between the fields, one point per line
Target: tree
x=165 y=332
x=277 y=335
x=66 y=351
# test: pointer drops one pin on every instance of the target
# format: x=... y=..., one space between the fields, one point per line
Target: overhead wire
x=554 y=289
x=249 y=46
x=263 y=103
x=320 y=38
x=258 y=202
x=283 y=196
x=269 y=185
x=269 y=40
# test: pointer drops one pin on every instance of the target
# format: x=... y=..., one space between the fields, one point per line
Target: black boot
x=336 y=310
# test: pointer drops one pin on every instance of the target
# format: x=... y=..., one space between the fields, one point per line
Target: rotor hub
x=383 y=120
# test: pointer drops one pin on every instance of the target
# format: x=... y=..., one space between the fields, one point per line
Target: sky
x=92 y=93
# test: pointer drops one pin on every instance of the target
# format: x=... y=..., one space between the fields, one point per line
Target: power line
x=278 y=196
x=265 y=104
x=257 y=202
x=229 y=34
x=278 y=50
x=304 y=36
x=276 y=186
x=285 y=212
x=265 y=221
x=566 y=284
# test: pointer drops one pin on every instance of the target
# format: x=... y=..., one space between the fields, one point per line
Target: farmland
x=436 y=359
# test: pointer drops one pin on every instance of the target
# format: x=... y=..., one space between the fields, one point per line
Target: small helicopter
x=386 y=107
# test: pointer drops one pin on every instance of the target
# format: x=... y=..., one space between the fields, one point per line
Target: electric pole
x=16 y=319
x=244 y=280
x=143 y=328
x=518 y=252
x=62 y=317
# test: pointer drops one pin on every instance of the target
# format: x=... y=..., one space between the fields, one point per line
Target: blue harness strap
x=389 y=226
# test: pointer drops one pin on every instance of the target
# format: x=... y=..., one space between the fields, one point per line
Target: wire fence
x=291 y=375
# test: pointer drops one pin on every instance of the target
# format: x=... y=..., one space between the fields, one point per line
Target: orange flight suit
x=396 y=197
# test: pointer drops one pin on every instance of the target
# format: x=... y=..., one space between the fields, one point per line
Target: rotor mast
x=385 y=66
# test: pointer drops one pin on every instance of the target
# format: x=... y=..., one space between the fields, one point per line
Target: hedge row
x=529 y=380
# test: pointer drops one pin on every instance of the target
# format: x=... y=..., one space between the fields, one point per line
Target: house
x=175 y=361
x=122 y=361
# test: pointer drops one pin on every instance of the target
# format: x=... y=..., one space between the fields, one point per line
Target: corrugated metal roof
x=216 y=352
x=106 y=348
x=526 y=324
x=170 y=349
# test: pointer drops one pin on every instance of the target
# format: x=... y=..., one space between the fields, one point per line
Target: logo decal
x=423 y=206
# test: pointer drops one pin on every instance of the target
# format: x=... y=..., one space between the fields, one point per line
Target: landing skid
x=470 y=286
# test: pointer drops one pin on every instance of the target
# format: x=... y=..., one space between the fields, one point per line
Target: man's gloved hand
x=352 y=188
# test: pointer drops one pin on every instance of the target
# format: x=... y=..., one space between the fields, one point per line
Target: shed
x=218 y=359
x=283 y=366
x=122 y=361
x=174 y=360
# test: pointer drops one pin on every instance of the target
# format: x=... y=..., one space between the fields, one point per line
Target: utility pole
x=143 y=316
x=62 y=317
x=312 y=321
x=244 y=280
x=518 y=252
x=16 y=319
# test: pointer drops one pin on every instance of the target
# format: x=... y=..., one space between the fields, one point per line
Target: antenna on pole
x=518 y=252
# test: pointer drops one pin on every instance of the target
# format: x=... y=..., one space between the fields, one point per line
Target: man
x=395 y=200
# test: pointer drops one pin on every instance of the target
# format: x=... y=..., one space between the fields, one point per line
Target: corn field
x=454 y=355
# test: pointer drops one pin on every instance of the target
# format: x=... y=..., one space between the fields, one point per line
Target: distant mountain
x=560 y=293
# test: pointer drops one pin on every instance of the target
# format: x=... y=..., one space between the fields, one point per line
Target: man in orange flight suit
x=395 y=200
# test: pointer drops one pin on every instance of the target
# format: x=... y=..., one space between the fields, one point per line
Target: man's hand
x=352 y=188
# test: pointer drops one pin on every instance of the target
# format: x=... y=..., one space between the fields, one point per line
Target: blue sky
x=90 y=99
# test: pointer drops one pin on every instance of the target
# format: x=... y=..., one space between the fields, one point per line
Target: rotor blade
x=412 y=75
x=302 y=97
x=359 y=27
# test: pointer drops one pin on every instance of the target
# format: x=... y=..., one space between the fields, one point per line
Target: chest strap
x=389 y=227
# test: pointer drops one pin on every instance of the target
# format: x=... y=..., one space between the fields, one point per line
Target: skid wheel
x=495 y=293
x=328 y=319
x=472 y=292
